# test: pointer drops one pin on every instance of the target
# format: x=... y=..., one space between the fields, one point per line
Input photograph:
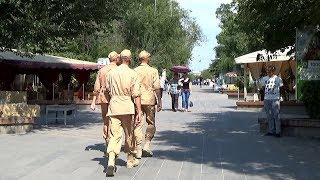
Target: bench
x=295 y=126
x=61 y=108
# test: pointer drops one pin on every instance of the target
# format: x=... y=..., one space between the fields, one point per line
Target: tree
x=89 y=30
x=248 y=26
x=207 y=74
x=232 y=41
x=43 y=25
x=273 y=23
x=169 y=37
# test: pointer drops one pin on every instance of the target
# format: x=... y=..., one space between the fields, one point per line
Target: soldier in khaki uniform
x=150 y=96
x=100 y=95
x=123 y=86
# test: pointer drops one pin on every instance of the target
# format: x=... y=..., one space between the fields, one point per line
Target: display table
x=61 y=108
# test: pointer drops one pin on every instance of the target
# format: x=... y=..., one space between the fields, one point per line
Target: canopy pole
x=68 y=92
x=52 y=91
x=245 y=83
x=83 y=91
x=238 y=94
x=296 y=82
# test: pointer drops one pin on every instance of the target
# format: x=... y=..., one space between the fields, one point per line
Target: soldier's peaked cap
x=125 y=53
x=112 y=55
x=144 y=54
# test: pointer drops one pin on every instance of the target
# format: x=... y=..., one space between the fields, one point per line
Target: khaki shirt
x=100 y=84
x=123 y=85
x=150 y=81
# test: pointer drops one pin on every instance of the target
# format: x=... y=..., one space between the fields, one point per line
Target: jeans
x=175 y=98
x=161 y=92
x=185 y=99
x=272 y=108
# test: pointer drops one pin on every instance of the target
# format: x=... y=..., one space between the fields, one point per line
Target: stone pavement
x=214 y=141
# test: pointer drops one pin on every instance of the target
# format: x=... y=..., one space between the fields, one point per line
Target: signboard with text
x=103 y=61
x=308 y=53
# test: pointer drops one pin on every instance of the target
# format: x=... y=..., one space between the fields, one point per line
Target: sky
x=204 y=13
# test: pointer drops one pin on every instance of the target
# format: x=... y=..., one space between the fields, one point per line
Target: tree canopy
x=252 y=25
x=41 y=25
x=274 y=22
x=91 y=29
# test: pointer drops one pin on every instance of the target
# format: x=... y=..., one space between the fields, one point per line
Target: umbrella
x=180 y=69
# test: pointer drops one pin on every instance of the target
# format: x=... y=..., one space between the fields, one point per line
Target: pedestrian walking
x=185 y=92
x=150 y=97
x=123 y=86
x=100 y=96
x=200 y=82
x=163 y=80
x=174 y=91
x=272 y=84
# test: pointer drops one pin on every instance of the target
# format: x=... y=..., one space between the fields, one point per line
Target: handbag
x=191 y=104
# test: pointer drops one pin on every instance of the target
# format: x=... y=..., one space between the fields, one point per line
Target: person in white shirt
x=163 y=79
x=272 y=84
x=174 y=91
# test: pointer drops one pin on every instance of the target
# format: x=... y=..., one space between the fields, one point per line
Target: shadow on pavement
x=103 y=160
x=84 y=120
x=206 y=90
x=231 y=141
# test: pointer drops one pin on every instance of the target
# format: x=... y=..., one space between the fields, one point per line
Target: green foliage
x=193 y=76
x=251 y=25
x=207 y=74
x=273 y=23
x=169 y=37
x=41 y=26
x=96 y=45
x=310 y=95
x=232 y=41
x=88 y=30
x=240 y=82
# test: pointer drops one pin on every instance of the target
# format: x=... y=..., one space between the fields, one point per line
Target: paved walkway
x=214 y=141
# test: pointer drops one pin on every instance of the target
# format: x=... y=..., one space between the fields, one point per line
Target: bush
x=310 y=95
x=240 y=82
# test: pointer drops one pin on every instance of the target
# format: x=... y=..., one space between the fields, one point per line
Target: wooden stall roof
x=38 y=61
x=265 y=56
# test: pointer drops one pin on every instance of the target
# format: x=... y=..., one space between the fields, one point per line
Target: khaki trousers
x=106 y=120
x=117 y=125
x=150 y=112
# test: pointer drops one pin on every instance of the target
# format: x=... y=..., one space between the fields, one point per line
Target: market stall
x=29 y=82
x=254 y=66
x=51 y=76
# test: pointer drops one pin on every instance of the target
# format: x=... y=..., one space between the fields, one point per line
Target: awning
x=37 y=61
x=265 y=56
